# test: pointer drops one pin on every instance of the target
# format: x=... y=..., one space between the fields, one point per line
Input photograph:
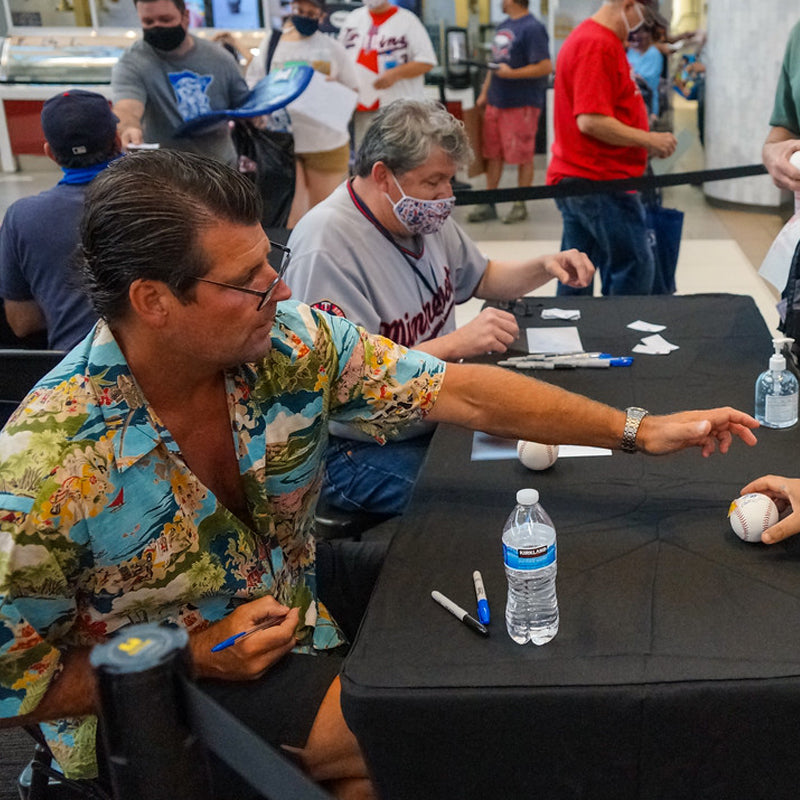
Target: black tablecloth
x=676 y=670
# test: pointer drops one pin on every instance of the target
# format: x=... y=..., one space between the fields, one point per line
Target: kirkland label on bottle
x=780 y=409
x=529 y=557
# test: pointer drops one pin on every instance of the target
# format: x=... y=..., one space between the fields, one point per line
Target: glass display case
x=47 y=46
x=61 y=57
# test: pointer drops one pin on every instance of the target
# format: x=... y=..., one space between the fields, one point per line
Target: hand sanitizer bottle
x=776 y=391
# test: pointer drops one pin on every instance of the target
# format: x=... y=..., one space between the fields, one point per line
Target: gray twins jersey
x=339 y=256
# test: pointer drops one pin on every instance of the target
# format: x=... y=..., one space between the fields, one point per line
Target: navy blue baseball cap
x=77 y=122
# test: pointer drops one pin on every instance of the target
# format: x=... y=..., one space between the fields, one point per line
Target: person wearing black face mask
x=322 y=153
x=170 y=77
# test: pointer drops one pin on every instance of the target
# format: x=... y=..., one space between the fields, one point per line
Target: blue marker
x=480 y=594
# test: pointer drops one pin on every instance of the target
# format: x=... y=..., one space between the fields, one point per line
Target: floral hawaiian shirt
x=102 y=524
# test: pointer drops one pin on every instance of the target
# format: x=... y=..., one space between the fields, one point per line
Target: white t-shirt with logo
x=374 y=47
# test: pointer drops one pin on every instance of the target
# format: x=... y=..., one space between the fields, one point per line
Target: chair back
x=19 y=371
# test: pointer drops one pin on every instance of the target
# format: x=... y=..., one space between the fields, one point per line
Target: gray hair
x=405 y=132
x=143 y=218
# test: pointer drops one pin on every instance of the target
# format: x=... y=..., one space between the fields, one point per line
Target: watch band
x=634 y=417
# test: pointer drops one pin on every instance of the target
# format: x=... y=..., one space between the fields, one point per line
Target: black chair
x=41 y=781
x=19 y=371
x=333 y=523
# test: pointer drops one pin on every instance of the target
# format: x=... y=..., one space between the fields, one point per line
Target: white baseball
x=794 y=159
x=751 y=514
x=537 y=456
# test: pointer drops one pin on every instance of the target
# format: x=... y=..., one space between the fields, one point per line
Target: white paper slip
x=581 y=451
x=324 y=102
x=561 y=313
x=655 y=345
x=495 y=448
x=554 y=340
x=646 y=327
x=492 y=448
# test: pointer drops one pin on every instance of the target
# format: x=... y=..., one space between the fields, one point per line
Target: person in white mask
x=384 y=252
x=602 y=133
x=391 y=51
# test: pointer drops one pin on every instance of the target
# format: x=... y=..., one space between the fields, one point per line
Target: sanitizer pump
x=776 y=391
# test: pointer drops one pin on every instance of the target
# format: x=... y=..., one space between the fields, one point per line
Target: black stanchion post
x=152 y=753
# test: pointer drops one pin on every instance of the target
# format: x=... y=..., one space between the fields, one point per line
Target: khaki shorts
x=327 y=160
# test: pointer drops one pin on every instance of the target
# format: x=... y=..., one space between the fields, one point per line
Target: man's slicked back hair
x=144 y=217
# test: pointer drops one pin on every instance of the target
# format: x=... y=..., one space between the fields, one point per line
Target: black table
x=676 y=670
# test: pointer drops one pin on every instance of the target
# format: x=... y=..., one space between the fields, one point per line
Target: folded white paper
x=561 y=313
x=655 y=345
x=647 y=327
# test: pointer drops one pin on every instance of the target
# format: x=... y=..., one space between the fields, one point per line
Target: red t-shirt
x=593 y=76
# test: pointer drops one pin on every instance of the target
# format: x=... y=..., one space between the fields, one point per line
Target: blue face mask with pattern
x=421 y=216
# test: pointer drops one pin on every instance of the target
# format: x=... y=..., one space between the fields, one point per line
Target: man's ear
x=151 y=301
x=48 y=151
x=382 y=176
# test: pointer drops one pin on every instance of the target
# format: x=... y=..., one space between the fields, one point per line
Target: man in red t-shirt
x=602 y=133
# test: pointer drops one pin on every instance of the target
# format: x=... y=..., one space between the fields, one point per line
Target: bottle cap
x=527 y=497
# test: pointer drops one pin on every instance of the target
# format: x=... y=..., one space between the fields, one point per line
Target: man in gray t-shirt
x=383 y=252
x=171 y=77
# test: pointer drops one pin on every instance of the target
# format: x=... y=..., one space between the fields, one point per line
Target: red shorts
x=509 y=134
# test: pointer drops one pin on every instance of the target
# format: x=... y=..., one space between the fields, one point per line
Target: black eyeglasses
x=286 y=256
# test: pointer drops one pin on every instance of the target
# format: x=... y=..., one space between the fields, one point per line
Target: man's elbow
x=24 y=319
x=586 y=124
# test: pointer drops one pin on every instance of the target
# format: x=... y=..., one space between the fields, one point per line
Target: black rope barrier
x=571 y=187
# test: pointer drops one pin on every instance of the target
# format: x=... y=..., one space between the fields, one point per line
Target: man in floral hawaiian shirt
x=168 y=468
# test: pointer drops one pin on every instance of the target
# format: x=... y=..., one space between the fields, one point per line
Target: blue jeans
x=611 y=230
x=365 y=476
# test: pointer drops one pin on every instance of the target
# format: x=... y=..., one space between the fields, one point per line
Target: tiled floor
x=721 y=251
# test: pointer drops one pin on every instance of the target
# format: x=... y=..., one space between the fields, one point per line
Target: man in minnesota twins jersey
x=170 y=77
x=382 y=252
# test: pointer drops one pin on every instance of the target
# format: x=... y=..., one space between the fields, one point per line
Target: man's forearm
x=412 y=69
x=72 y=693
x=611 y=131
x=780 y=134
x=505 y=403
x=508 y=280
x=24 y=317
x=130 y=114
x=537 y=70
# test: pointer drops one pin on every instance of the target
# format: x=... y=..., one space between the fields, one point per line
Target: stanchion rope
x=572 y=188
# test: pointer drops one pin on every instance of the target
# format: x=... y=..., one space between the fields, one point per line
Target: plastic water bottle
x=529 y=554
